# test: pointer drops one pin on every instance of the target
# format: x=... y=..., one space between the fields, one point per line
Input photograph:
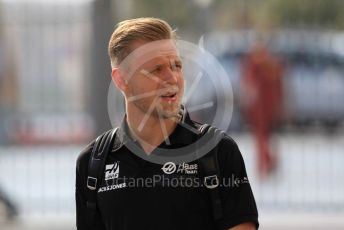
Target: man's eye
x=176 y=66
x=156 y=70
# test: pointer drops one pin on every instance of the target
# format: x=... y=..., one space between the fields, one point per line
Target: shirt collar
x=185 y=132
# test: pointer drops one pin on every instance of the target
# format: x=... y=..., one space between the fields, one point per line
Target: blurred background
x=285 y=61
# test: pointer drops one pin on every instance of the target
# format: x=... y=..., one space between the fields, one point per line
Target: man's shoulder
x=84 y=155
x=229 y=154
x=225 y=142
x=228 y=141
x=225 y=139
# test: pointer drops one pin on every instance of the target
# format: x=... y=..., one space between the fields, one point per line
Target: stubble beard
x=174 y=113
x=159 y=111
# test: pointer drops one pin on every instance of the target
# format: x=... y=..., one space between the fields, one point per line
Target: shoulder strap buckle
x=91 y=183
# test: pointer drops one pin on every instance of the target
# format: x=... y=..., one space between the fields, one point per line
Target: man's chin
x=170 y=113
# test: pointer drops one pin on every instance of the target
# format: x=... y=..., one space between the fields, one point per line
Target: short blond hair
x=128 y=31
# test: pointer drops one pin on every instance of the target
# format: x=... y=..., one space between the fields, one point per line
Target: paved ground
x=268 y=221
x=305 y=193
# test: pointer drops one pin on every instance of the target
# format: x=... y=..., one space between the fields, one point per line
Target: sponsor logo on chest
x=111 y=176
x=182 y=168
x=112 y=171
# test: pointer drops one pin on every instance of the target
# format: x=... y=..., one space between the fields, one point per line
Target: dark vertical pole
x=102 y=25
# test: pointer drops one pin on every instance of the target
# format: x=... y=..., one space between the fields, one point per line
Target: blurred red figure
x=262 y=101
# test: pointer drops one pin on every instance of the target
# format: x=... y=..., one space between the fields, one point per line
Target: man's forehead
x=167 y=55
x=149 y=52
x=166 y=45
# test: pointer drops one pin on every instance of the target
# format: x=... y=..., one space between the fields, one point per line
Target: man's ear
x=118 y=79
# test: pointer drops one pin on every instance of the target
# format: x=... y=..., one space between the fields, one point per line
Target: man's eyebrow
x=158 y=65
x=148 y=66
x=176 y=61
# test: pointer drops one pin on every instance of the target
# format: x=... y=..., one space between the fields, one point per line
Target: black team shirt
x=138 y=194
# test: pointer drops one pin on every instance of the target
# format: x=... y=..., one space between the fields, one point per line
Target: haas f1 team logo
x=112 y=171
x=169 y=167
x=184 y=168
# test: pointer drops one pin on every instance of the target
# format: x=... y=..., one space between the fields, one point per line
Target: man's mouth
x=169 y=96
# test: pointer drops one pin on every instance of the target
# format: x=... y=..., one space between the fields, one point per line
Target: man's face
x=155 y=79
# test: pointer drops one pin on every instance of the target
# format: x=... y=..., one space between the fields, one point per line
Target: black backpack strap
x=211 y=171
x=101 y=148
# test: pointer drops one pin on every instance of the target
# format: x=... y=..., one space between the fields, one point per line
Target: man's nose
x=170 y=75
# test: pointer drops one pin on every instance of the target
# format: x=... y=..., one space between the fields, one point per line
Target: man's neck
x=149 y=130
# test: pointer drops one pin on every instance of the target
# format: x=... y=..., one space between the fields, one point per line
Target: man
x=262 y=101
x=147 y=69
